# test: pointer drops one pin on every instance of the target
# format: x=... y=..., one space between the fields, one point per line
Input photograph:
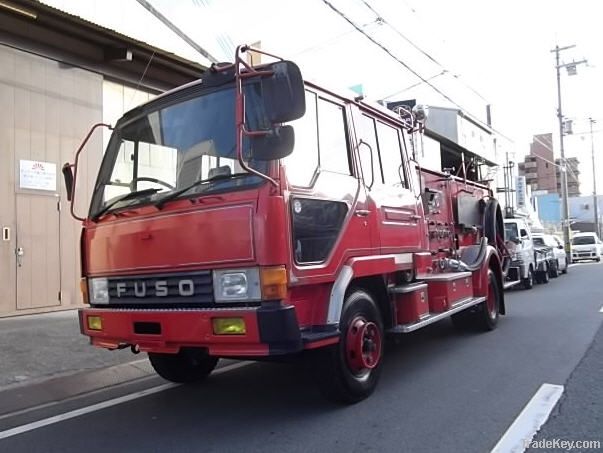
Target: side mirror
x=283 y=92
x=277 y=144
x=560 y=247
x=523 y=233
x=68 y=177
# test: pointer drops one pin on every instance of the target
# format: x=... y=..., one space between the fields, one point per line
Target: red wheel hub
x=363 y=345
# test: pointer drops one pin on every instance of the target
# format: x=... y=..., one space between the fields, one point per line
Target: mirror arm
x=247 y=48
x=75 y=165
x=240 y=111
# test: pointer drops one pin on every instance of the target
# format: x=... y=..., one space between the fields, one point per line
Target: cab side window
x=332 y=138
x=390 y=154
x=369 y=153
x=302 y=163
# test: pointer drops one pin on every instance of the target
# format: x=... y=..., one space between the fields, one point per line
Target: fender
x=480 y=277
x=362 y=267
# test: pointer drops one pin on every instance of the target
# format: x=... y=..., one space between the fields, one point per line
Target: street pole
x=564 y=202
x=564 y=192
x=596 y=205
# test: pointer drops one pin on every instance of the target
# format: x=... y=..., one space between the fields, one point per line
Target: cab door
x=386 y=175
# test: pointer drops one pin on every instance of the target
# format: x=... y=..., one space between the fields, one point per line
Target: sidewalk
x=37 y=347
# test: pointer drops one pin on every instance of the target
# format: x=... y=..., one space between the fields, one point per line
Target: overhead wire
x=422 y=51
x=414 y=72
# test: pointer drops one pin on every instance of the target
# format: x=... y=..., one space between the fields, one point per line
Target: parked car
x=527 y=266
x=557 y=259
x=586 y=246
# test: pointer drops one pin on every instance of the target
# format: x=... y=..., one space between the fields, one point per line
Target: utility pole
x=592 y=147
x=571 y=67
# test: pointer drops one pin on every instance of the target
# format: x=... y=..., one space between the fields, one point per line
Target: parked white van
x=586 y=246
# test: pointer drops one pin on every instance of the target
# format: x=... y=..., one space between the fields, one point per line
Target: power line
x=414 y=85
x=324 y=43
x=422 y=51
x=412 y=71
x=169 y=24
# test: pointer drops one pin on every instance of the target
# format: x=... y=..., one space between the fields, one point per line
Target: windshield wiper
x=177 y=193
x=128 y=196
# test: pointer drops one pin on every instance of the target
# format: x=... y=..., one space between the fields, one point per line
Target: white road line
x=529 y=421
x=103 y=405
x=601 y=311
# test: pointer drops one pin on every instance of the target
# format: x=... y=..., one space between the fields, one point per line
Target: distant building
x=538 y=166
x=543 y=171
x=573 y=174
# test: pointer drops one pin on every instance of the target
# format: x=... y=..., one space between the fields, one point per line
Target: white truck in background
x=527 y=265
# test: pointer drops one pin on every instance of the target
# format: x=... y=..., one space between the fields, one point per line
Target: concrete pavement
x=34 y=348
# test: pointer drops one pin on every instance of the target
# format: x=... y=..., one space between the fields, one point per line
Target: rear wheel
x=554 y=269
x=485 y=315
x=349 y=371
x=528 y=282
x=188 y=366
x=543 y=276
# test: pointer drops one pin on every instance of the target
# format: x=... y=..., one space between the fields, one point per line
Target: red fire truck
x=253 y=215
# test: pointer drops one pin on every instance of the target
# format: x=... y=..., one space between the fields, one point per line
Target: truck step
x=511 y=284
x=443 y=276
x=431 y=318
x=405 y=289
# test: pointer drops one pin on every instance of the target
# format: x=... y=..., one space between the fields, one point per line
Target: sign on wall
x=37 y=175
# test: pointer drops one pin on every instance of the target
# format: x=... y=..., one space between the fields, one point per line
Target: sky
x=477 y=52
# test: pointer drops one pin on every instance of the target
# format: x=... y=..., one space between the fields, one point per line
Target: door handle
x=19 y=251
x=415 y=217
x=362 y=212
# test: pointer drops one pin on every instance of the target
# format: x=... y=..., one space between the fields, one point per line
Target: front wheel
x=348 y=372
x=188 y=366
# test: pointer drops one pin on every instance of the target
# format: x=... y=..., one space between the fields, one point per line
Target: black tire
x=188 y=366
x=337 y=379
x=554 y=269
x=598 y=260
x=484 y=316
x=543 y=276
x=528 y=282
x=565 y=269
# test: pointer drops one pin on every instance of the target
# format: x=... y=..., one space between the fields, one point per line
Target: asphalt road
x=440 y=391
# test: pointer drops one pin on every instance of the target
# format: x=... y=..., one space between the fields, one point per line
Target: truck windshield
x=538 y=241
x=583 y=240
x=511 y=231
x=174 y=147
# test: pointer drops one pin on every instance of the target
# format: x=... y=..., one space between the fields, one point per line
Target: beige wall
x=46 y=109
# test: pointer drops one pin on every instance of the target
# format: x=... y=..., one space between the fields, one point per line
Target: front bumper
x=590 y=255
x=270 y=330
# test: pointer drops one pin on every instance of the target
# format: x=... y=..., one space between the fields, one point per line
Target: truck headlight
x=99 y=291
x=237 y=285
